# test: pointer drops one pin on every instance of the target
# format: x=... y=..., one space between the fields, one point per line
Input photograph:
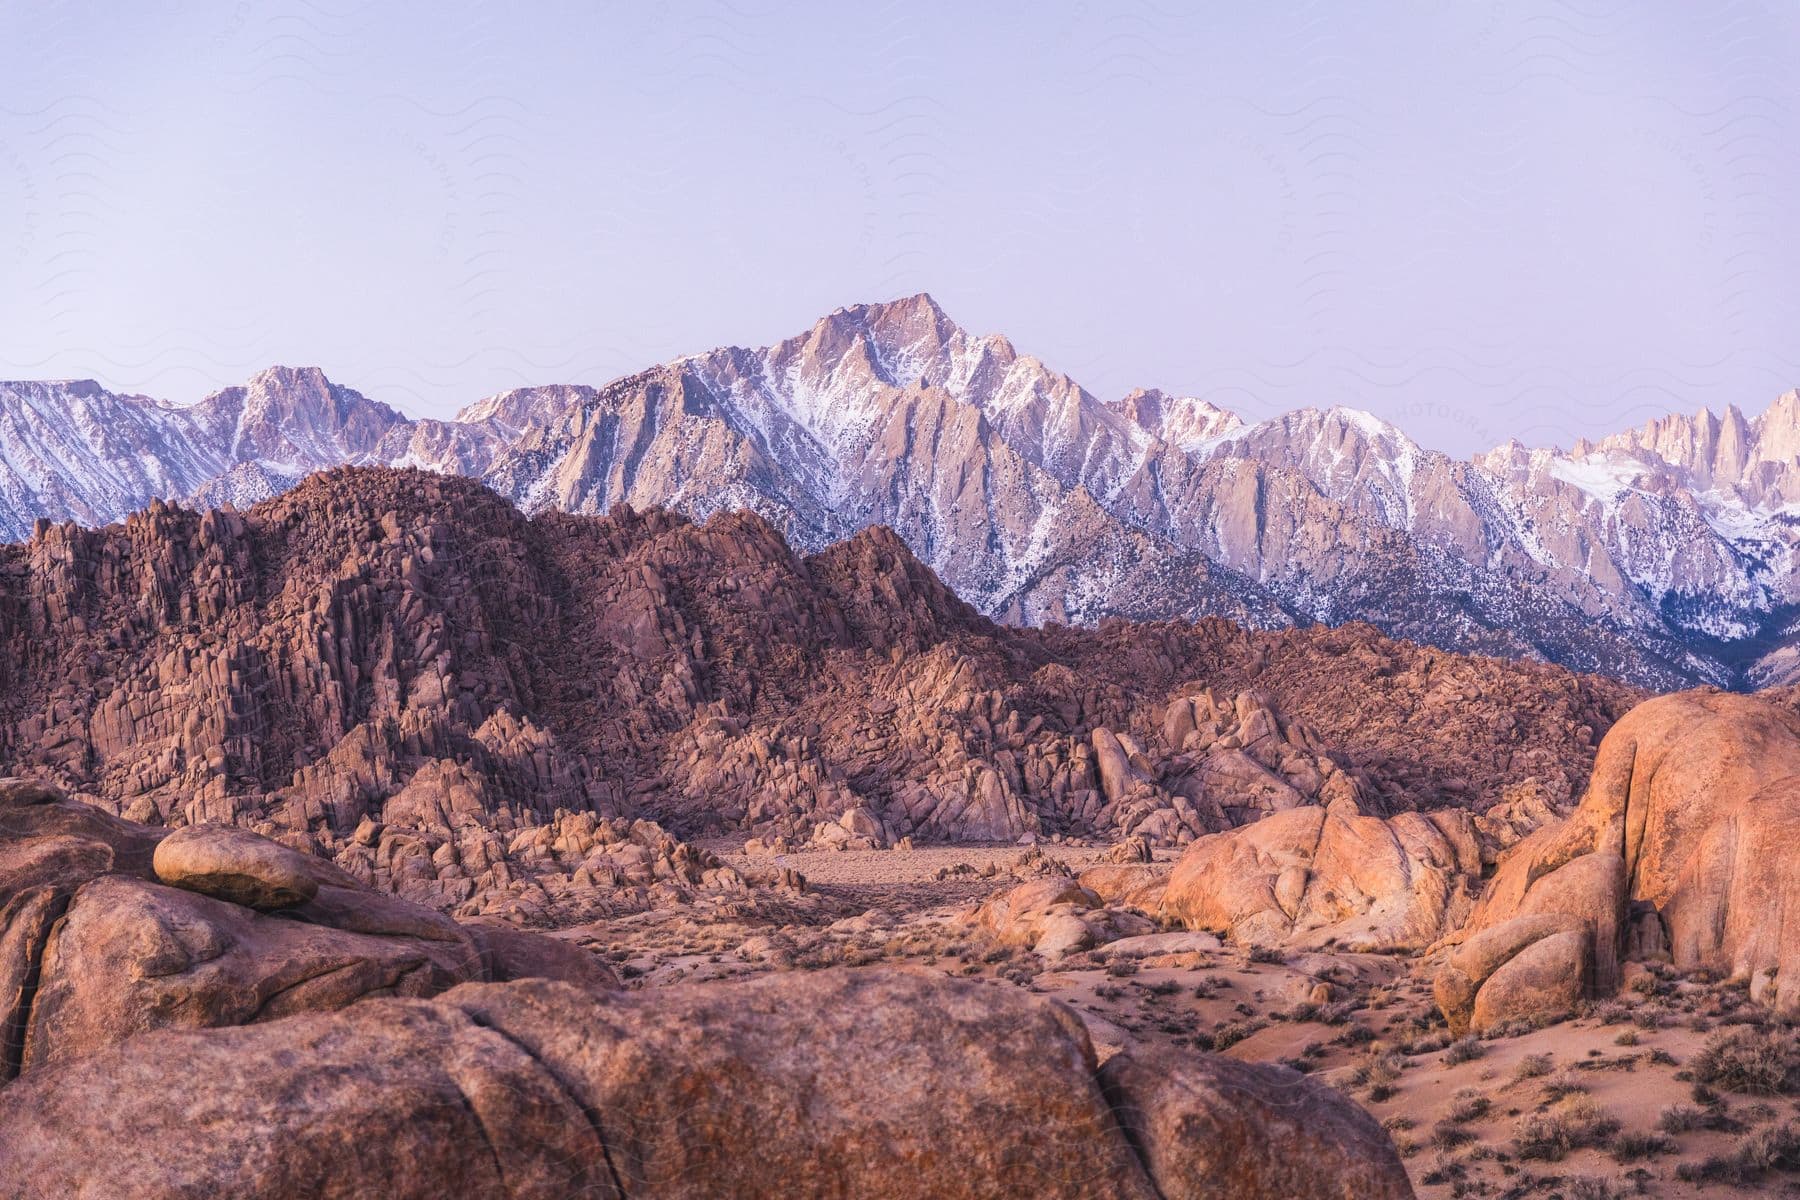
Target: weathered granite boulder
x=1682 y=847
x=871 y=1083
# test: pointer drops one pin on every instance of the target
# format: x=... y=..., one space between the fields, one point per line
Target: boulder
x=235 y=865
x=508 y=954
x=1118 y=775
x=129 y=955
x=871 y=1083
x=1680 y=849
x=18 y=793
x=1534 y=967
x=1313 y=876
x=1543 y=982
x=1021 y=915
x=1148 y=944
x=95 y=949
x=1062 y=934
x=1213 y=1126
x=1129 y=885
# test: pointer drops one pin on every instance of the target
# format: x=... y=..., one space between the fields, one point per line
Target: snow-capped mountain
x=71 y=450
x=1664 y=554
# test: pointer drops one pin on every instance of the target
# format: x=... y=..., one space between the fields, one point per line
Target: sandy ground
x=1500 y=1117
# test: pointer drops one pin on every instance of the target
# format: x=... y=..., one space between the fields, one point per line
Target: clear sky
x=1479 y=221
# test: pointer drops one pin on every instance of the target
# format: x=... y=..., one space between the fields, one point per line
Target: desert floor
x=1604 y=1105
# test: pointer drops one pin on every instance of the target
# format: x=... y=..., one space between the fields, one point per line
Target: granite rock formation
x=105 y=933
x=497 y=715
x=1679 y=851
x=868 y=1083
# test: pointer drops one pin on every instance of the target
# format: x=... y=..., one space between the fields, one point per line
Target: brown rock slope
x=1680 y=851
x=399 y=671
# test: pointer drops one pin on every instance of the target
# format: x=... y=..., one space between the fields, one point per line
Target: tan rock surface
x=94 y=950
x=1681 y=841
x=1213 y=1127
x=235 y=865
x=836 y=1084
x=1312 y=876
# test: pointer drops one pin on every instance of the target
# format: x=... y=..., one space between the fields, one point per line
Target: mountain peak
x=279 y=376
x=909 y=319
x=918 y=305
x=1365 y=422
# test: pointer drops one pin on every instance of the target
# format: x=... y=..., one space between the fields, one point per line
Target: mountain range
x=1663 y=555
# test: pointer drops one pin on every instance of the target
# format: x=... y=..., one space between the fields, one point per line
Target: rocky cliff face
x=1663 y=556
x=402 y=672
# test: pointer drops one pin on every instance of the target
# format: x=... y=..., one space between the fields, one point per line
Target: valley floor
x=1604 y=1105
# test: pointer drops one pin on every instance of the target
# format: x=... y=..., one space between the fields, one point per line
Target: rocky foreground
x=380 y=840
x=206 y=1012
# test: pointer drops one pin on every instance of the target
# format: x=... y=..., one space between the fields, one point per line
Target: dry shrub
x=1379 y=1066
x=1629 y=1147
x=1566 y=1082
x=1762 y=1062
x=1467 y=1105
x=1592 y=1187
x=1464 y=1050
x=1775 y=1148
x=1571 y=1124
x=1532 y=1066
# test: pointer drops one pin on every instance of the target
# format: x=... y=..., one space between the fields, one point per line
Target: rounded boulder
x=235 y=865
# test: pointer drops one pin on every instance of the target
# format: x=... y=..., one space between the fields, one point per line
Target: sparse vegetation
x=1592 y=1187
x=1379 y=1066
x=1570 y=1124
x=1761 y=1062
x=1532 y=1066
x=1635 y=1145
x=1681 y=1118
x=1464 y=1050
x=1468 y=1105
x=1756 y=1155
x=1566 y=1082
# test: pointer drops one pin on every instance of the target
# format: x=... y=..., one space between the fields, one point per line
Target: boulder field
x=208 y=1012
x=1680 y=851
x=502 y=716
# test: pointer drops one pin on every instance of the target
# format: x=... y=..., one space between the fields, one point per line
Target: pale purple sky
x=1476 y=220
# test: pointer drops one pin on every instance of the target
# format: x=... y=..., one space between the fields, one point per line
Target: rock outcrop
x=474 y=710
x=109 y=929
x=867 y=1083
x=1331 y=876
x=1679 y=850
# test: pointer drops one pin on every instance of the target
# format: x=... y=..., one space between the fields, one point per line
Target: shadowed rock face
x=866 y=1083
x=1680 y=849
x=471 y=709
